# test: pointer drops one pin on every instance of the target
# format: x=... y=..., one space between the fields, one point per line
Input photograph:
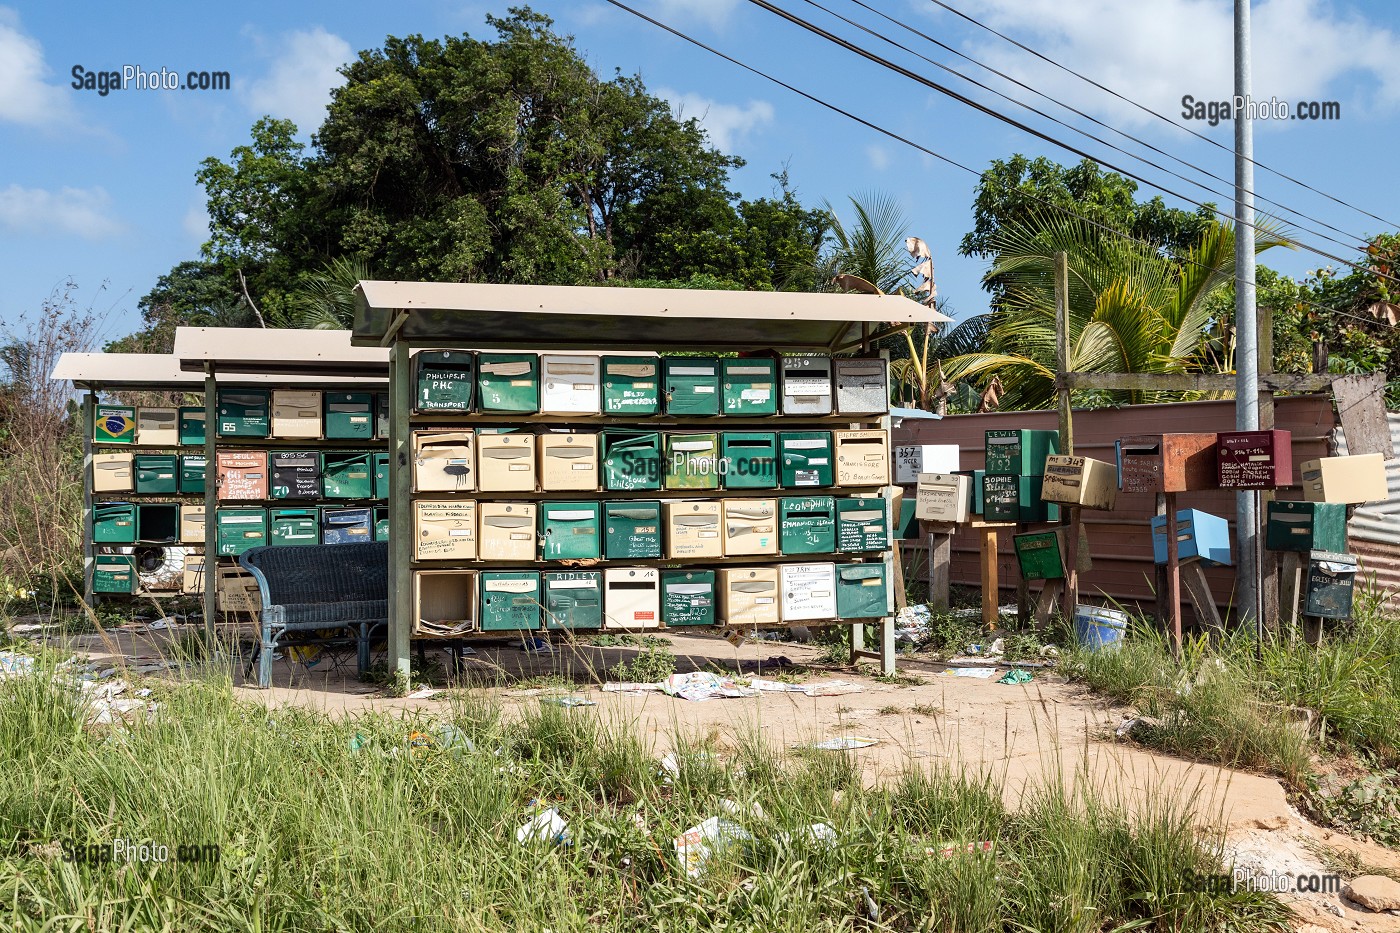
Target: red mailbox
x=1166 y=462
x=1254 y=459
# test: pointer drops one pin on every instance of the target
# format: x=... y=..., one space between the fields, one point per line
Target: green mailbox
x=114 y=424
x=748 y=390
x=509 y=600
x=192 y=470
x=692 y=461
x=750 y=459
x=687 y=597
x=631 y=459
x=1306 y=526
x=113 y=523
x=294 y=527
x=348 y=416
x=347 y=475
x=243 y=413
x=573 y=600
x=380 y=462
x=381 y=523
x=1039 y=556
x=444 y=380
x=192 y=426
x=1010 y=498
x=975 y=489
x=691 y=385
x=240 y=529
x=381 y=416
x=569 y=530
x=508 y=382
x=808 y=524
x=862 y=591
x=862 y=525
x=631 y=385
x=805 y=459
x=156 y=473
x=114 y=573
x=1019 y=451
x=909 y=519
x=632 y=529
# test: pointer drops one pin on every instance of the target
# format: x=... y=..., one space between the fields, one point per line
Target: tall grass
x=358 y=824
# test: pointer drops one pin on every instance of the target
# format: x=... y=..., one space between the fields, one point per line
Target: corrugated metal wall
x=1119 y=541
x=1374 y=530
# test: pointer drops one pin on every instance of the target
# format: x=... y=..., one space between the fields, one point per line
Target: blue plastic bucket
x=1097 y=627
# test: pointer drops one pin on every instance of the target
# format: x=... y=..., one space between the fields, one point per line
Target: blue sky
x=101 y=189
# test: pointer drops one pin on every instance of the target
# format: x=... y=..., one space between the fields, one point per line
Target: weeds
x=653 y=663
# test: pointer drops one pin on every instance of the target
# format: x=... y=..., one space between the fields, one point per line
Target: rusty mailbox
x=1254 y=459
x=1166 y=462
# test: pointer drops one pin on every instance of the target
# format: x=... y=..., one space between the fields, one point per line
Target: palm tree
x=327 y=300
x=872 y=247
x=1132 y=309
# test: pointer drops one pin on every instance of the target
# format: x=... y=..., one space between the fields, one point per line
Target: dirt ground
x=1026 y=734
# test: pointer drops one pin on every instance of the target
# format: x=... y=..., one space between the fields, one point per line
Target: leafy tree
x=196 y=294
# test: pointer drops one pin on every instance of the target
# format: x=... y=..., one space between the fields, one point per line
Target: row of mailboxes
x=647 y=529
x=633 y=598
x=242 y=528
x=291 y=413
x=625 y=459
x=248 y=474
x=565 y=384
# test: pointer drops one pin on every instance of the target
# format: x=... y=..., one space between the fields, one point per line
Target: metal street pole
x=1246 y=324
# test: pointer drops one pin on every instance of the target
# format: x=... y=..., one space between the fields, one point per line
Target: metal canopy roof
x=280 y=352
x=156 y=372
x=600 y=317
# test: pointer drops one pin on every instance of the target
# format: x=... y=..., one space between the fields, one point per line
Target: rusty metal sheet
x=1167 y=462
x=1361 y=407
x=1254 y=459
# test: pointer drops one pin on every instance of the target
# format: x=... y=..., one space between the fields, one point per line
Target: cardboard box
x=632 y=598
x=243 y=413
x=114 y=573
x=296 y=474
x=444 y=602
x=114 y=424
x=569 y=385
x=687 y=597
x=236 y=590
x=1019 y=451
x=749 y=596
x=631 y=385
x=942 y=497
x=807 y=386
x=158 y=427
x=113 y=523
x=505 y=462
x=631 y=459
x=1199 y=535
x=694 y=530
x=1330 y=585
x=750 y=459
x=112 y=472
x=862 y=591
x=507 y=531
x=347 y=475
x=806 y=459
x=750 y=526
x=1345 y=479
x=191 y=524
x=192 y=426
x=632 y=529
x=911 y=460
x=293 y=527
x=193 y=469
x=750 y=387
x=240 y=529
x=862 y=458
x=508 y=382
x=158 y=522
x=692 y=461
x=1090 y=484
x=691 y=385
x=862 y=385
x=192 y=581
x=1306 y=527
x=568 y=462
x=296 y=413
x=573 y=600
x=444 y=529
x=862 y=525
x=569 y=530
x=1254 y=459
x=1166 y=462
x=242 y=474
x=444 y=380
x=347 y=526
x=444 y=461
x=807 y=525
x=349 y=416
x=809 y=592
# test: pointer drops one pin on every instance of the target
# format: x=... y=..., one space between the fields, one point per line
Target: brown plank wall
x=1119 y=541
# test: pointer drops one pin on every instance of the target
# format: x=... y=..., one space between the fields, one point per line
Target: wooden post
x=1290 y=589
x=1062 y=359
x=940 y=559
x=400 y=516
x=1023 y=589
x=1160 y=573
x=1070 y=597
x=991 y=592
x=1173 y=575
x=1207 y=613
x=1050 y=592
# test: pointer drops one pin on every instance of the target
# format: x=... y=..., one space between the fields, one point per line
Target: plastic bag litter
x=982 y=673
x=1017 y=676
x=843 y=743
x=568 y=702
x=817 y=835
x=545 y=826
x=696 y=845
x=913 y=625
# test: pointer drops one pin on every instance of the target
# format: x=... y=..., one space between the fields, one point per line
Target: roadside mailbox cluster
x=649 y=512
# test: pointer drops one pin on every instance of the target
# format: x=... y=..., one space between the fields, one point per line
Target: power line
x=962 y=98
x=924 y=149
x=1162 y=117
x=1141 y=142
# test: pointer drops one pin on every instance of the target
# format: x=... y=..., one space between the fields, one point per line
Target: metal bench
x=315 y=587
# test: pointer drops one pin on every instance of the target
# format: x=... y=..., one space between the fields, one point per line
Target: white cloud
x=726 y=124
x=78 y=211
x=196 y=223
x=26 y=97
x=878 y=156
x=297 y=87
x=714 y=13
x=1157 y=52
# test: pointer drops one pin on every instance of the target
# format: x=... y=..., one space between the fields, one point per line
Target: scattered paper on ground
x=982 y=673
x=695 y=846
x=844 y=743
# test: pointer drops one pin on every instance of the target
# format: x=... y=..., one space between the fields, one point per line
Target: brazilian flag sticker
x=114 y=425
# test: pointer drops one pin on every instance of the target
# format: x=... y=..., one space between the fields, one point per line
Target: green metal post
x=211 y=502
x=89 y=407
x=400 y=514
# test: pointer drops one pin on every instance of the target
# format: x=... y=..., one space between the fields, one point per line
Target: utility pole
x=1246 y=323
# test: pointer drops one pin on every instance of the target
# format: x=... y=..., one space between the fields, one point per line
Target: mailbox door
x=750 y=526
x=694 y=530
x=631 y=598
x=113 y=523
x=1254 y=459
x=444 y=461
x=632 y=530
x=296 y=474
x=631 y=460
x=508 y=382
x=158 y=427
x=192 y=472
x=692 y=461
x=510 y=601
x=1331 y=585
x=508 y=531
x=687 y=597
x=808 y=525
x=1039 y=556
x=862 y=458
x=293 y=527
x=630 y=385
x=191 y=427
x=347 y=526
x=573 y=600
x=380 y=462
x=806 y=459
x=156 y=473
x=569 y=384
x=691 y=386
x=749 y=387
x=862 y=386
x=505 y=462
x=807 y=385
x=349 y=416
x=749 y=596
x=809 y=591
x=443 y=530
x=297 y=414
x=570 y=530
x=568 y=462
x=240 y=529
x=114 y=573
x=861 y=525
x=445 y=380
x=381 y=523
x=750 y=458
x=862 y=591
x=243 y=413
x=1307 y=526
x=348 y=476
x=114 y=424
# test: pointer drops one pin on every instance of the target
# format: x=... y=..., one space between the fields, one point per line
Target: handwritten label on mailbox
x=1254 y=459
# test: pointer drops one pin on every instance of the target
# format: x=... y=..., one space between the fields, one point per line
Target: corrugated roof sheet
x=1378 y=522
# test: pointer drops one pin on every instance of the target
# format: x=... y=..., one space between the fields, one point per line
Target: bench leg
x=265 y=653
x=362 y=659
